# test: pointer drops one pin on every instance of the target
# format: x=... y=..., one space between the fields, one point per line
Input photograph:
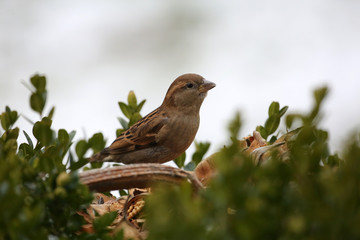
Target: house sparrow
x=165 y=133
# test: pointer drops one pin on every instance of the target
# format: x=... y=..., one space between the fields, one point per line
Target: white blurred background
x=94 y=52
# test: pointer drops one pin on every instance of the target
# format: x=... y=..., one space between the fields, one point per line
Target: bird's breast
x=179 y=132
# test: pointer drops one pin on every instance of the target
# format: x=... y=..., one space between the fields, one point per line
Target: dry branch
x=135 y=176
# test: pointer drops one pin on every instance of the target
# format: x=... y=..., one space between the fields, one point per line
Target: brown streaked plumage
x=166 y=132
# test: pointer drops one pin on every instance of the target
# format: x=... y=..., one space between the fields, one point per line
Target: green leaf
x=234 y=127
x=272 y=123
x=273 y=108
x=63 y=137
x=179 y=161
x=39 y=82
x=81 y=148
x=27 y=150
x=123 y=123
x=283 y=110
x=52 y=152
x=77 y=165
x=72 y=135
x=125 y=109
x=13 y=116
x=8 y=118
x=5 y=121
x=132 y=101
x=96 y=164
x=43 y=132
x=29 y=140
x=70 y=159
x=37 y=101
x=104 y=221
x=262 y=131
x=118 y=235
x=201 y=149
x=97 y=142
x=320 y=94
x=190 y=166
x=51 y=113
x=272 y=139
x=12 y=134
x=141 y=104
x=122 y=192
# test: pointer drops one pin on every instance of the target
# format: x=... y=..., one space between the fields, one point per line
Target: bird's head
x=188 y=92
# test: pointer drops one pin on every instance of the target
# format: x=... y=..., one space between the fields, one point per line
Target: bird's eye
x=189 y=85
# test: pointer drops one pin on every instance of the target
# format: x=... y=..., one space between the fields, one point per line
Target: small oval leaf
x=97 y=142
x=5 y=121
x=63 y=137
x=180 y=160
x=272 y=123
x=274 y=108
x=42 y=131
x=81 y=148
x=132 y=101
x=37 y=102
x=39 y=82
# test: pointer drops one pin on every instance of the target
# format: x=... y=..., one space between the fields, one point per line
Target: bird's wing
x=140 y=135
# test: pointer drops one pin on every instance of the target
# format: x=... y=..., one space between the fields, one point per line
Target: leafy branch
x=272 y=122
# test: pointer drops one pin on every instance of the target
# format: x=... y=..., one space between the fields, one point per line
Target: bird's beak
x=206 y=86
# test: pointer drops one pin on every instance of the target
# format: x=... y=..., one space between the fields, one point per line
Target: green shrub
x=40 y=191
x=312 y=195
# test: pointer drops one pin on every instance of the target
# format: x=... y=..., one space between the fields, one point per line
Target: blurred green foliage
x=313 y=195
x=273 y=121
x=40 y=191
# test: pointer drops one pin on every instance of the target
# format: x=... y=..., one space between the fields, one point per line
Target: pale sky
x=94 y=52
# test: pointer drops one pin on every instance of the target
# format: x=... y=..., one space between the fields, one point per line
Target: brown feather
x=140 y=134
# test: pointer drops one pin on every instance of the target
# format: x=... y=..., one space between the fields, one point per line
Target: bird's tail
x=100 y=156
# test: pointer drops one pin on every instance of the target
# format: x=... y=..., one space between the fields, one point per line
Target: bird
x=165 y=133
